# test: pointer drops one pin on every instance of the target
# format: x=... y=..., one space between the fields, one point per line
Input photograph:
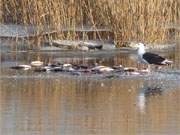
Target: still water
x=40 y=104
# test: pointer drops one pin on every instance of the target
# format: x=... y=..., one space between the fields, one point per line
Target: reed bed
x=129 y=20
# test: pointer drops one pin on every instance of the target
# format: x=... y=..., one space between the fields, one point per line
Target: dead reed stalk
x=138 y=20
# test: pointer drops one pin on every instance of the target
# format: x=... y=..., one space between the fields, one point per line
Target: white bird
x=150 y=58
x=102 y=69
x=36 y=63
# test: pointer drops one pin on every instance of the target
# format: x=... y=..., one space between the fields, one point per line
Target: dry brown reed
x=138 y=20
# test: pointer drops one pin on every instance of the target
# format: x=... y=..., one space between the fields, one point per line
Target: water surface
x=54 y=104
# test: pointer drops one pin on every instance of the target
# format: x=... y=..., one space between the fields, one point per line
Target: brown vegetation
x=138 y=20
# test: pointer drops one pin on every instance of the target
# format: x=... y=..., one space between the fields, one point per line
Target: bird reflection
x=147 y=92
x=153 y=90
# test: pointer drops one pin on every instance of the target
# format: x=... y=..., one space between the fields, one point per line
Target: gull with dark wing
x=150 y=58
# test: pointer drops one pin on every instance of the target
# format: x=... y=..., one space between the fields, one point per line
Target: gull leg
x=158 y=67
x=149 y=69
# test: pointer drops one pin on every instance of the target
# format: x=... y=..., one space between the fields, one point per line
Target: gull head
x=141 y=48
x=140 y=45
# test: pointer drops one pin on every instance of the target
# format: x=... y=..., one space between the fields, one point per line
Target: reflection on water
x=65 y=106
x=152 y=89
x=44 y=105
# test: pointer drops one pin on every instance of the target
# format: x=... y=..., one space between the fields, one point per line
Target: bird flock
x=75 y=69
